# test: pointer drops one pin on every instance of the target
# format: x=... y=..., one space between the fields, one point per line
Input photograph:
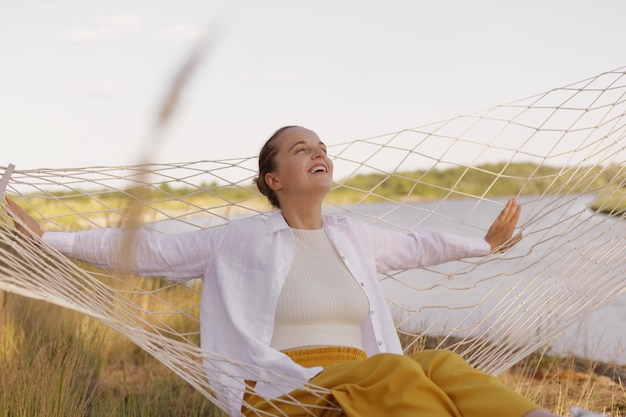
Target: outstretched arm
x=500 y=234
x=23 y=221
x=179 y=257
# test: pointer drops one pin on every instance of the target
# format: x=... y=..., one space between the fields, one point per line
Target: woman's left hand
x=500 y=234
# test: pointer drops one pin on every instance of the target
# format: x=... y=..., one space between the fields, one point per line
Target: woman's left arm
x=500 y=234
x=396 y=251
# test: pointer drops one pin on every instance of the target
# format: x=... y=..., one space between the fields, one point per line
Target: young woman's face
x=302 y=165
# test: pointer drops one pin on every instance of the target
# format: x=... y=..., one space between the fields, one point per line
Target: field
x=59 y=363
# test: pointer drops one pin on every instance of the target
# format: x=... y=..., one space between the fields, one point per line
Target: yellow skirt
x=431 y=383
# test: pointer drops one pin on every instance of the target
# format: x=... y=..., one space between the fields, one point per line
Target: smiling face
x=302 y=165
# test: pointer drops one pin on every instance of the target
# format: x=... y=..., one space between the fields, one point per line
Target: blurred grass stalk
x=56 y=362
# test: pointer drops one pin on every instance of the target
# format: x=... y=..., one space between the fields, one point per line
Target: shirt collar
x=277 y=222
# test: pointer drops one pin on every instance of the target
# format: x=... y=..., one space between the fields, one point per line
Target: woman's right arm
x=23 y=222
x=174 y=257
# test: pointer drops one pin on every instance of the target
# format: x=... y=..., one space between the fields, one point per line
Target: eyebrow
x=300 y=142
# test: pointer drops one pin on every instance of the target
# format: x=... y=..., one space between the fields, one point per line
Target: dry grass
x=558 y=383
x=554 y=382
x=59 y=363
x=56 y=362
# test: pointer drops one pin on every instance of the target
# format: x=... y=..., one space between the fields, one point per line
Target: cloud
x=51 y=6
x=277 y=77
x=179 y=33
x=286 y=75
x=98 y=89
x=107 y=28
x=230 y=51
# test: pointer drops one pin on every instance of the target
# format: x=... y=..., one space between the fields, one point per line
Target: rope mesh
x=559 y=153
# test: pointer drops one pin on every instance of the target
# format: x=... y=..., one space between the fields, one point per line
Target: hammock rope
x=560 y=153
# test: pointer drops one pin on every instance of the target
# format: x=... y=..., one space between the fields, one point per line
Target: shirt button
x=380 y=343
x=372 y=312
x=362 y=284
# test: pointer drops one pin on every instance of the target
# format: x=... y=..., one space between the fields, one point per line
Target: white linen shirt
x=244 y=264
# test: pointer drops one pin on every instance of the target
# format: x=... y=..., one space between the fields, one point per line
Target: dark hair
x=267 y=164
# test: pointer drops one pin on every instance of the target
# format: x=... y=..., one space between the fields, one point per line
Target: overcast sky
x=82 y=80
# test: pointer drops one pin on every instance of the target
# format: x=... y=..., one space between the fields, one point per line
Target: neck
x=302 y=215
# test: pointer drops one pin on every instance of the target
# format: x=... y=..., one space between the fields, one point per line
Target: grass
x=611 y=201
x=60 y=363
x=558 y=383
x=56 y=362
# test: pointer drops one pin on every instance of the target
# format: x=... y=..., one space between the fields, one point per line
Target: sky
x=82 y=81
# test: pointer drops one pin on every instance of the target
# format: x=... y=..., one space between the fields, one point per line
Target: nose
x=318 y=153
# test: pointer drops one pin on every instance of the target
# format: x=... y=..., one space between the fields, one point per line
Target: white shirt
x=244 y=265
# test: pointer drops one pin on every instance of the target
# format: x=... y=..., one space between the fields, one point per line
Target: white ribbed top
x=321 y=304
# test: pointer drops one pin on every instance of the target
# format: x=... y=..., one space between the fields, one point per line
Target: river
x=562 y=285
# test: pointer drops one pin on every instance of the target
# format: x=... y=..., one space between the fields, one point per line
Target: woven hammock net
x=561 y=153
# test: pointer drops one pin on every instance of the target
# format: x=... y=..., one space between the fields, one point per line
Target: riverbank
x=559 y=383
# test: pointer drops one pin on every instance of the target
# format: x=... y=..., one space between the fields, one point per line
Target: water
x=562 y=285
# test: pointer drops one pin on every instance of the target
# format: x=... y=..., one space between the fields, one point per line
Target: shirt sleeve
x=176 y=257
x=61 y=241
x=396 y=251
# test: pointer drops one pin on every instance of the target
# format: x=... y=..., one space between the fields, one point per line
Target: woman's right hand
x=22 y=220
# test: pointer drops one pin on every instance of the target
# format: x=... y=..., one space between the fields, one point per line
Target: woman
x=295 y=294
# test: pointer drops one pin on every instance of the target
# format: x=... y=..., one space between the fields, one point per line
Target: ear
x=273 y=182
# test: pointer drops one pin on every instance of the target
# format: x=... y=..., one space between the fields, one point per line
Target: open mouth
x=318 y=168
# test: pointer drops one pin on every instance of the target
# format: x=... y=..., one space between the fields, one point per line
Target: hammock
x=561 y=153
